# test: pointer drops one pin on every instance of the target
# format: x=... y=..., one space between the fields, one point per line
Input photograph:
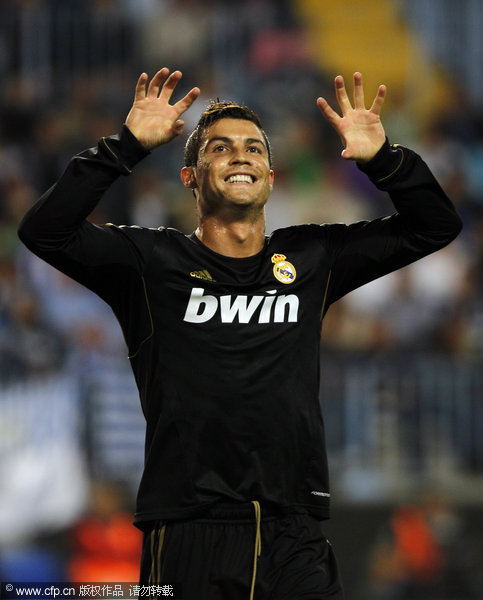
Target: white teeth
x=240 y=179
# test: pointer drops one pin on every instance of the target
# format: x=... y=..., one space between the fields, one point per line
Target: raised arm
x=56 y=228
x=426 y=219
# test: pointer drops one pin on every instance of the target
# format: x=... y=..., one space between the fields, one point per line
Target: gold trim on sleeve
x=397 y=168
x=103 y=139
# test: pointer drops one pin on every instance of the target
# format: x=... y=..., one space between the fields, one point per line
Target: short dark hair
x=215 y=111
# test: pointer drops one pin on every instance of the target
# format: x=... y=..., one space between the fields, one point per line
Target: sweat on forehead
x=216 y=111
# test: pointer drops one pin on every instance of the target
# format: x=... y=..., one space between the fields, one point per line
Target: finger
x=156 y=81
x=341 y=94
x=140 y=91
x=379 y=100
x=358 y=92
x=187 y=101
x=178 y=127
x=169 y=85
x=328 y=112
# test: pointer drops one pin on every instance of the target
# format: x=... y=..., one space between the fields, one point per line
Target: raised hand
x=152 y=119
x=360 y=129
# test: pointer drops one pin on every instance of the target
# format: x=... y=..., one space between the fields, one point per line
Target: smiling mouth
x=240 y=179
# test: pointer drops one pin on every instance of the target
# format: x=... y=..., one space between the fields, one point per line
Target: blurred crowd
x=68 y=71
x=435 y=305
x=425 y=550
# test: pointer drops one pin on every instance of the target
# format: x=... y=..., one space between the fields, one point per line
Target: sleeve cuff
x=124 y=150
x=384 y=164
x=130 y=148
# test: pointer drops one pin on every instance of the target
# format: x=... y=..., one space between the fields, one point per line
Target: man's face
x=233 y=169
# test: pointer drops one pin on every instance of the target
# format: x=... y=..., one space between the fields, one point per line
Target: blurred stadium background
x=402 y=379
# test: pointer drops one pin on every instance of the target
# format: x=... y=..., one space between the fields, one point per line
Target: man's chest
x=197 y=288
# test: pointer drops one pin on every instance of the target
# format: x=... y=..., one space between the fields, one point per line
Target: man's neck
x=237 y=239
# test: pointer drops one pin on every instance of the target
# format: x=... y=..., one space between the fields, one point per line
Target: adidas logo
x=202 y=275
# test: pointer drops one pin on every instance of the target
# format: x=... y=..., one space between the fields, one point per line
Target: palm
x=360 y=129
x=152 y=119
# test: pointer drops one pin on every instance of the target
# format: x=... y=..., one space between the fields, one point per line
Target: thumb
x=346 y=154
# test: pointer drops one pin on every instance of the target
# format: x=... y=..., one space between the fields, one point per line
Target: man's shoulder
x=139 y=232
x=303 y=232
x=147 y=239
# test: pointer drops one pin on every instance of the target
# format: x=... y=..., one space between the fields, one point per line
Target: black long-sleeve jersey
x=225 y=351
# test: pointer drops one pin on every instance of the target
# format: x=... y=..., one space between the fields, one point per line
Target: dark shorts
x=238 y=554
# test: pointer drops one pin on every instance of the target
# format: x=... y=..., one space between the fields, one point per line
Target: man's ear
x=188 y=177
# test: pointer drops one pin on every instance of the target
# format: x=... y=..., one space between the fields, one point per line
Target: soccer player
x=223 y=330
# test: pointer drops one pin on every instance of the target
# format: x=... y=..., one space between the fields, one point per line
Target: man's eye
x=254 y=149
x=219 y=148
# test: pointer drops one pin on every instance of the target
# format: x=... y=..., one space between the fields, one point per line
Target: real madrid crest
x=283 y=270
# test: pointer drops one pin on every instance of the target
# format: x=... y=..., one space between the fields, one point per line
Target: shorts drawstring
x=258 y=544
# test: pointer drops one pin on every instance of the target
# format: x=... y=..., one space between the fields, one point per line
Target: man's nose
x=240 y=155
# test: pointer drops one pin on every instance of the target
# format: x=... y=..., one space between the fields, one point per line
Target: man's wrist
x=131 y=146
x=125 y=149
x=384 y=164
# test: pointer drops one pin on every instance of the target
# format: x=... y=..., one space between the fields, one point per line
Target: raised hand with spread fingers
x=152 y=119
x=359 y=128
